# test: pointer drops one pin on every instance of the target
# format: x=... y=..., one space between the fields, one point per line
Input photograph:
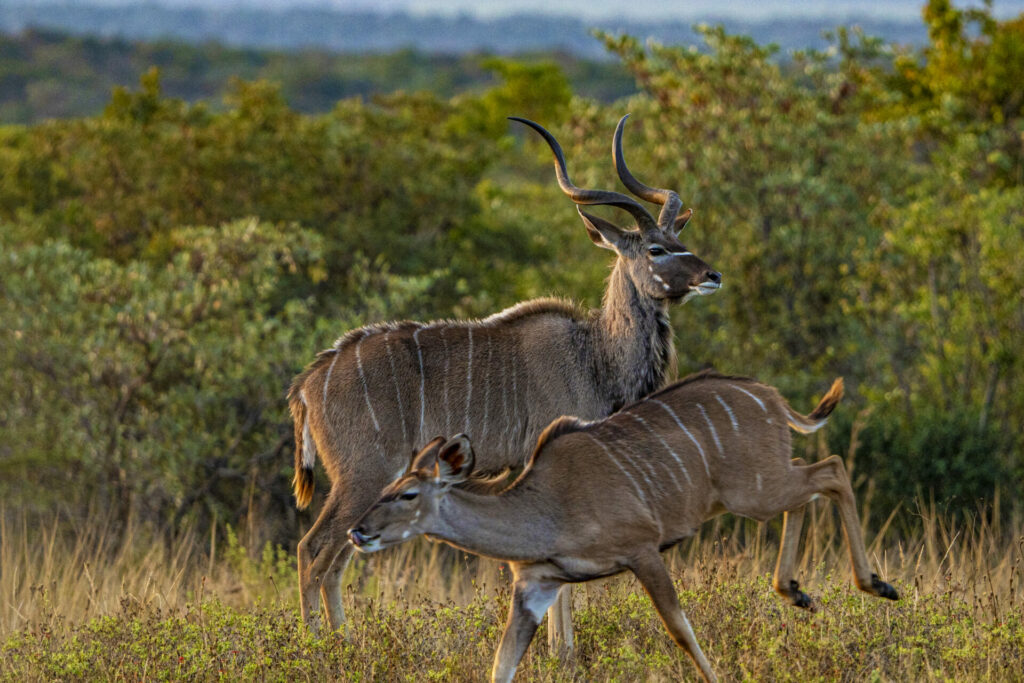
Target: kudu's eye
x=655 y=250
x=409 y=495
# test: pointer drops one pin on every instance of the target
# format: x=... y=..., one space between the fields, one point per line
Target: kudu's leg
x=330 y=588
x=654 y=577
x=314 y=556
x=835 y=483
x=785 y=584
x=324 y=553
x=530 y=599
x=829 y=477
x=560 y=635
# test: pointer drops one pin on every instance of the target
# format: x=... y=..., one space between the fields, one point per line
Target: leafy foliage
x=167 y=266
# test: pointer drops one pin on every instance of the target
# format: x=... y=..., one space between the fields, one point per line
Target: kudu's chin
x=703 y=289
x=364 y=543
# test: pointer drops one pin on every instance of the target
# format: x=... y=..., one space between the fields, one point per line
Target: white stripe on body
x=423 y=385
x=654 y=464
x=651 y=465
x=308 y=444
x=640 y=464
x=711 y=426
x=504 y=399
x=487 y=392
x=447 y=367
x=759 y=401
x=398 y=389
x=624 y=449
x=469 y=378
x=515 y=404
x=667 y=448
x=636 y=487
x=688 y=433
x=366 y=389
x=735 y=426
x=327 y=380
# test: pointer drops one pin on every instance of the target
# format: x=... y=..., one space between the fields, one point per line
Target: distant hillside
x=45 y=74
x=296 y=28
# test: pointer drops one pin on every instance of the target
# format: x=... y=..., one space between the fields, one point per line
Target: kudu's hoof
x=882 y=589
x=800 y=599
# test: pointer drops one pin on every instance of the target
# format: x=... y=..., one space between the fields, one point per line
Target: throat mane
x=639 y=352
x=662 y=351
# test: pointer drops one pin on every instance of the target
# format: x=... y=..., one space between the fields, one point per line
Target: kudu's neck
x=512 y=526
x=634 y=340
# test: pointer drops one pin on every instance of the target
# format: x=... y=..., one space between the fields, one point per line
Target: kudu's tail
x=305 y=450
x=805 y=424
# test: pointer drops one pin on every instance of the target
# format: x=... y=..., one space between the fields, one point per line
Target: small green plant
x=268 y=574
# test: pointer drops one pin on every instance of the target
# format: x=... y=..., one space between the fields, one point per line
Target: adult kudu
x=703 y=446
x=362 y=404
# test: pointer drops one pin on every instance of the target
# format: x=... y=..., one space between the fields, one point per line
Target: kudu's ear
x=681 y=221
x=427 y=457
x=603 y=233
x=455 y=460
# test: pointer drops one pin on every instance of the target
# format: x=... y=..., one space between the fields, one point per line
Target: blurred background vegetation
x=168 y=263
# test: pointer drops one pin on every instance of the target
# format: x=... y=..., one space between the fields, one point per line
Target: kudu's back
x=501 y=379
x=705 y=444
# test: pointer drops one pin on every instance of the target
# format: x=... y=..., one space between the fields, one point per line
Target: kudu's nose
x=713 y=276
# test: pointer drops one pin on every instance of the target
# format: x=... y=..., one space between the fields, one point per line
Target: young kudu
x=598 y=498
x=362 y=404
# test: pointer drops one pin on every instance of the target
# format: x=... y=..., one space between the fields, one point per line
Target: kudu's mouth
x=706 y=287
x=364 y=543
x=702 y=289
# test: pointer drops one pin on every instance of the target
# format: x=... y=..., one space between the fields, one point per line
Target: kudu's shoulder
x=537 y=308
x=525 y=310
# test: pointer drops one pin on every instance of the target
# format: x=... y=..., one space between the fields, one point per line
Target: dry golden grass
x=73 y=606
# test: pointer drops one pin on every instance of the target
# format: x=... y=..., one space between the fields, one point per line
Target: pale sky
x=646 y=10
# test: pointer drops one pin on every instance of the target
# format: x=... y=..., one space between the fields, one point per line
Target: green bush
x=156 y=389
x=951 y=459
